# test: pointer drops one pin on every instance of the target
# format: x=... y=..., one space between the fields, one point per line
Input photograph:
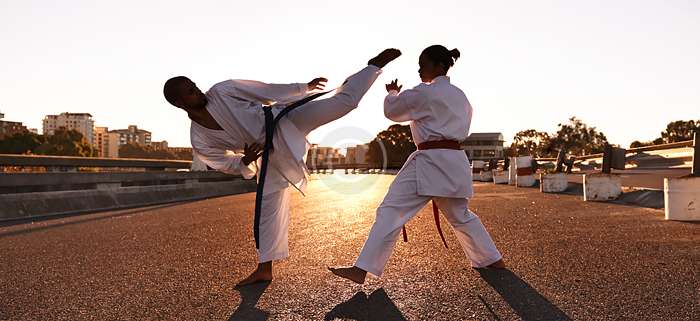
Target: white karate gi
x=436 y=111
x=236 y=105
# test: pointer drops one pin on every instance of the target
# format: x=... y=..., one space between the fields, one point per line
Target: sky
x=626 y=67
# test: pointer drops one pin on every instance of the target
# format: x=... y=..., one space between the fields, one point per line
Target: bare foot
x=384 y=57
x=262 y=274
x=352 y=273
x=497 y=265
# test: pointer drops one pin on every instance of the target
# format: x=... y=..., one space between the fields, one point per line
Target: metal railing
x=665 y=156
x=70 y=163
x=33 y=186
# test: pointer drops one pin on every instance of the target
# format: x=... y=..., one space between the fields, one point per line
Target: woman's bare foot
x=262 y=274
x=384 y=57
x=352 y=273
x=497 y=265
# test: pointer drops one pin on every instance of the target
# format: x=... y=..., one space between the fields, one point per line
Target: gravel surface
x=567 y=260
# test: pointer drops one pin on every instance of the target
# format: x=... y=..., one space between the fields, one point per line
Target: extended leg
x=318 y=113
x=471 y=233
x=400 y=205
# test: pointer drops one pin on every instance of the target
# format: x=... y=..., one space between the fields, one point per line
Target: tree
x=577 y=138
x=398 y=145
x=637 y=144
x=144 y=151
x=65 y=143
x=678 y=131
x=530 y=142
x=21 y=143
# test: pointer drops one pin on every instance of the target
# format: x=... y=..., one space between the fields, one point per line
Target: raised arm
x=401 y=107
x=268 y=94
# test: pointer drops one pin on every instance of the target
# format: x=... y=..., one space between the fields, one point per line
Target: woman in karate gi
x=229 y=120
x=440 y=116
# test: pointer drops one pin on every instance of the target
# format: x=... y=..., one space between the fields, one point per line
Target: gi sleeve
x=261 y=92
x=401 y=107
x=225 y=161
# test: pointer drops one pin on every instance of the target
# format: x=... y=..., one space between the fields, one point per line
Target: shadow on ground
x=377 y=306
x=247 y=309
x=527 y=303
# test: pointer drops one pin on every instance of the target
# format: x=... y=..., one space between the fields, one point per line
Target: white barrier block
x=477 y=167
x=500 y=177
x=682 y=198
x=486 y=176
x=553 y=183
x=601 y=187
x=525 y=181
x=524 y=164
x=512 y=171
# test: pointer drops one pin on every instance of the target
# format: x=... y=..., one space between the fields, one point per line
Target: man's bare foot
x=384 y=57
x=497 y=265
x=262 y=274
x=352 y=273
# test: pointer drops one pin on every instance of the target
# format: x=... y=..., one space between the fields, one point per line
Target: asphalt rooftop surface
x=567 y=260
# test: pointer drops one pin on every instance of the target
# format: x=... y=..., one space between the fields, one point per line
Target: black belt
x=270 y=125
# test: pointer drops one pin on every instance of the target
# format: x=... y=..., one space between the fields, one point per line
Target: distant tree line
x=72 y=143
x=676 y=131
x=62 y=143
x=575 y=136
x=148 y=152
x=395 y=143
x=580 y=139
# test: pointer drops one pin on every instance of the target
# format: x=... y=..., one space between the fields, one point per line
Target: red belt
x=435 y=144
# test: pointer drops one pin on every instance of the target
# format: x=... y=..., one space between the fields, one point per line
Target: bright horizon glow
x=625 y=67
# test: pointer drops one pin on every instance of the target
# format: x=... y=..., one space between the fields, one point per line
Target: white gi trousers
x=402 y=203
x=275 y=211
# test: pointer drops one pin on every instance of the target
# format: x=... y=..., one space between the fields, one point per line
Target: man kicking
x=229 y=119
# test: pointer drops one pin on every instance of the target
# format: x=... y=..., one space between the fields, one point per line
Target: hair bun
x=454 y=53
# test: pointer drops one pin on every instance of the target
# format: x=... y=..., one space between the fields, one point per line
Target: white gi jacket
x=236 y=105
x=436 y=111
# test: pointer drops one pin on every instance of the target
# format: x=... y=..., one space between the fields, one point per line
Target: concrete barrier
x=525 y=175
x=601 y=187
x=682 y=198
x=477 y=167
x=500 y=176
x=553 y=183
x=512 y=171
x=110 y=196
x=486 y=176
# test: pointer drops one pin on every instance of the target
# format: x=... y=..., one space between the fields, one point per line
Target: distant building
x=324 y=156
x=484 y=146
x=133 y=135
x=183 y=153
x=357 y=154
x=100 y=140
x=160 y=145
x=81 y=122
x=106 y=143
x=350 y=153
x=9 y=128
x=179 y=149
